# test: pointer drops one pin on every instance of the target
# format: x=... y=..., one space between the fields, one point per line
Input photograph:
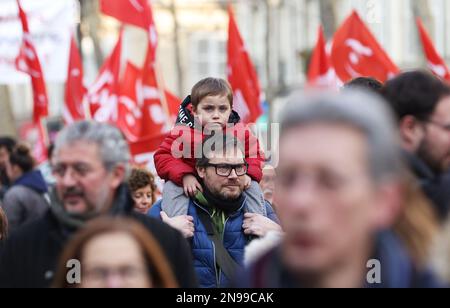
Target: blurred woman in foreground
x=115 y=253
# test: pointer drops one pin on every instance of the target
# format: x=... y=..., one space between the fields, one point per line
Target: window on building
x=208 y=55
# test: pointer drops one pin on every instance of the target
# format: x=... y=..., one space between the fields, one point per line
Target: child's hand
x=191 y=185
x=247 y=182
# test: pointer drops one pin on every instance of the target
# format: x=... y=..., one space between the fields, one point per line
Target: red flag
x=434 y=61
x=141 y=113
x=156 y=114
x=320 y=73
x=134 y=12
x=103 y=94
x=130 y=110
x=75 y=90
x=357 y=53
x=242 y=75
x=28 y=62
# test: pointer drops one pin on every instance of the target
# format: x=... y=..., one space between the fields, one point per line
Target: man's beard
x=91 y=207
x=424 y=152
x=227 y=195
x=222 y=200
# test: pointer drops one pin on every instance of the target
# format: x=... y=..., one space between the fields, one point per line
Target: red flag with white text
x=242 y=75
x=28 y=62
x=356 y=53
x=75 y=90
x=434 y=61
x=103 y=95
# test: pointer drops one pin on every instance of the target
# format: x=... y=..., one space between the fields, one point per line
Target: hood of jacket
x=33 y=180
x=186 y=118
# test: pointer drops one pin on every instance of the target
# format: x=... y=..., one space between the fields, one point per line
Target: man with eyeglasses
x=91 y=164
x=421 y=103
x=217 y=216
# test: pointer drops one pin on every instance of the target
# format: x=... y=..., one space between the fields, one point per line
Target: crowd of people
x=360 y=197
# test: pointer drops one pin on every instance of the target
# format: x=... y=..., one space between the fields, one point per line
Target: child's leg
x=174 y=201
x=255 y=199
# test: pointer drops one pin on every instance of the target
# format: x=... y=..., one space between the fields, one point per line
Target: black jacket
x=29 y=257
x=435 y=187
x=397 y=269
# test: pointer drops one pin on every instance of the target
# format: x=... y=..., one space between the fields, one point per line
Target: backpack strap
x=227 y=264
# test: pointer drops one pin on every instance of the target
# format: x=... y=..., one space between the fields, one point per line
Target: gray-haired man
x=91 y=164
x=338 y=193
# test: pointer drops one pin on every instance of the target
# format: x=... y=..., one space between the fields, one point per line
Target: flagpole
x=43 y=128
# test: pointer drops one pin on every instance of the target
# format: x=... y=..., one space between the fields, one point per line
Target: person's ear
x=118 y=176
x=201 y=171
x=411 y=132
x=389 y=205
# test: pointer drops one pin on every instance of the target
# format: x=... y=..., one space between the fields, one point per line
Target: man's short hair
x=113 y=147
x=364 y=84
x=211 y=87
x=217 y=143
x=415 y=93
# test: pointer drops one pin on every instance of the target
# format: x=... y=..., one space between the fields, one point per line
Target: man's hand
x=259 y=225
x=183 y=223
x=191 y=185
x=247 y=182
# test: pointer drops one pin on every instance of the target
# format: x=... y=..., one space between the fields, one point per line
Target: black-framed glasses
x=226 y=169
x=445 y=127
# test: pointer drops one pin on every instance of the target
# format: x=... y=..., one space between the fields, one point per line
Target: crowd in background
x=363 y=180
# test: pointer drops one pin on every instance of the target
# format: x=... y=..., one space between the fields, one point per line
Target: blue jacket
x=33 y=180
x=203 y=250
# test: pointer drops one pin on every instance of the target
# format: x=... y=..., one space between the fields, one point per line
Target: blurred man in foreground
x=338 y=194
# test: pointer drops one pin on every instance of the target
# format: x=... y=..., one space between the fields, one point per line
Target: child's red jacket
x=173 y=169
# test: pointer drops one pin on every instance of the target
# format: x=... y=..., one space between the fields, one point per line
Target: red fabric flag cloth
x=434 y=61
x=28 y=62
x=130 y=111
x=133 y=12
x=357 y=53
x=242 y=75
x=156 y=114
x=75 y=90
x=103 y=95
x=141 y=114
x=320 y=73
x=173 y=103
